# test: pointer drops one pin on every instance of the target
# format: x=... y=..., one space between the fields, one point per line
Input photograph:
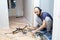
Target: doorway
x=11 y=7
x=19 y=12
x=15 y=13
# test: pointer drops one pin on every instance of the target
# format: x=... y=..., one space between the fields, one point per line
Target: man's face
x=37 y=11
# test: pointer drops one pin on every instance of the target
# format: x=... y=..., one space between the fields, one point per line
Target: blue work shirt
x=44 y=15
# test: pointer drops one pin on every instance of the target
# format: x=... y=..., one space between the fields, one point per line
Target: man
x=47 y=21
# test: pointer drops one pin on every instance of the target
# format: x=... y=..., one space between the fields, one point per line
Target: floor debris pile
x=19 y=33
x=18 y=36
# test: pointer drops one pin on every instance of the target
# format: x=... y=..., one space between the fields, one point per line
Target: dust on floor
x=13 y=24
x=6 y=34
x=17 y=22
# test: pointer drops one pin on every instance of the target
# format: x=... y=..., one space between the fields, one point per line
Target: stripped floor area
x=17 y=22
x=6 y=34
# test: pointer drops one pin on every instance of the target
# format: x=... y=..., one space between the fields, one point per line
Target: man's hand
x=40 y=28
x=33 y=32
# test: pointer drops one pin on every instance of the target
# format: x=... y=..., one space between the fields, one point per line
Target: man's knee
x=48 y=19
x=37 y=21
x=48 y=23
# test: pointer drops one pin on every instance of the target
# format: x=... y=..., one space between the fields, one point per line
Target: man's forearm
x=40 y=28
x=32 y=28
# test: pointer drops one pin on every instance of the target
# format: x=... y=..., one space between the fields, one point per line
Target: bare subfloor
x=5 y=34
x=17 y=22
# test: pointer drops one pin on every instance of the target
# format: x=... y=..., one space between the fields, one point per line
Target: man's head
x=37 y=11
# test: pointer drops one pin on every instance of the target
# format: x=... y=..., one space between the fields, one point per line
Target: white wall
x=47 y=6
x=19 y=7
x=36 y=3
x=28 y=10
x=56 y=23
x=4 y=22
x=51 y=6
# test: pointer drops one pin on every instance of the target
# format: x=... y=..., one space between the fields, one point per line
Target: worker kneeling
x=43 y=22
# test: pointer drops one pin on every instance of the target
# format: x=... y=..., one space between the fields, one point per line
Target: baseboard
x=30 y=24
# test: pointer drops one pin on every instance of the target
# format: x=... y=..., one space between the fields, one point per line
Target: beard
x=38 y=14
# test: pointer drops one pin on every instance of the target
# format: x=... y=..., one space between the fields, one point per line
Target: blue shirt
x=44 y=15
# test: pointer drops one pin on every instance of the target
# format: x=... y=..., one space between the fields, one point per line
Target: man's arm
x=41 y=27
x=31 y=28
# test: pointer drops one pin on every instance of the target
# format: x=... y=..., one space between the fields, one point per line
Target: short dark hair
x=38 y=8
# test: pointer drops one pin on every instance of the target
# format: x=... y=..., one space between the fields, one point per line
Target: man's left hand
x=33 y=32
